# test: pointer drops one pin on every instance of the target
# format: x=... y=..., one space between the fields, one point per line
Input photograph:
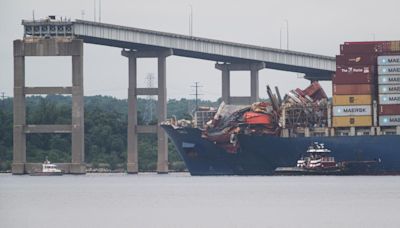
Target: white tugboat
x=48 y=169
x=316 y=162
x=317 y=158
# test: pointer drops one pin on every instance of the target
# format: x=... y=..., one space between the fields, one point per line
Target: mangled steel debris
x=299 y=108
x=304 y=108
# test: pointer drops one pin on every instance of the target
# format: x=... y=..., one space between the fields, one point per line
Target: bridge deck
x=314 y=66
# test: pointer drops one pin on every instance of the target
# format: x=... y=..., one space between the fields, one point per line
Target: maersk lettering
x=394 y=119
x=394 y=79
x=394 y=69
x=355 y=110
x=394 y=89
x=393 y=60
x=394 y=98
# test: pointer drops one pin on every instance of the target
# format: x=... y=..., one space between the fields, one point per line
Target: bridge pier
x=133 y=128
x=48 y=47
x=254 y=68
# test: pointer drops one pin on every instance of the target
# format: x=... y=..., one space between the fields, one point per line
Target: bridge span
x=65 y=38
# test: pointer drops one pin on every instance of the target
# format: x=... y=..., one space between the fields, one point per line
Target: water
x=179 y=200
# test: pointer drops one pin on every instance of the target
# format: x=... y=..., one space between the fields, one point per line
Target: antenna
x=287 y=34
x=99 y=10
x=94 y=10
x=150 y=104
x=197 y=86
x=83 y=14
x=33 y=14
x=191 y=21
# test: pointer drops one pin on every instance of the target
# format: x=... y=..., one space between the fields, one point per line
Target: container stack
x=354 y=86
x=389 y=90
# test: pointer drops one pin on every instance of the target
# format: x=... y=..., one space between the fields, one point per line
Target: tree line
x=106 y=121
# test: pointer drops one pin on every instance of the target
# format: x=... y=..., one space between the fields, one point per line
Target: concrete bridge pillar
x=19 y=140
x=133 y=128
x=48 y=47
x=254 y=68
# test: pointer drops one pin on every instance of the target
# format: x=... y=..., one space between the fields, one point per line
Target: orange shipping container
x=361 y=89
x=352 y=121
x=257 y=118
x=352 y=100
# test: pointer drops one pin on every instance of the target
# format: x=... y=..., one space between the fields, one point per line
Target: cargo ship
x=359 y=124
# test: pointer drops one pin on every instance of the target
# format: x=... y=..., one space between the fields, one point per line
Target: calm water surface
x=179 y=200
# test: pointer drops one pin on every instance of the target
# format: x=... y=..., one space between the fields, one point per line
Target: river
x=179 y=200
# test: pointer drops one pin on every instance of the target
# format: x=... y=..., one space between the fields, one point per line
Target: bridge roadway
x=315 y=67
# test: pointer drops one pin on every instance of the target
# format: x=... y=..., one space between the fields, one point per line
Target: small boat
x=48 y=169
x=317 y=162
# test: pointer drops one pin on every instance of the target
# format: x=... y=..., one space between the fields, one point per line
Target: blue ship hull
x=261 y=155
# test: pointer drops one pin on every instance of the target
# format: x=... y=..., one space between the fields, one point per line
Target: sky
x=315 y=26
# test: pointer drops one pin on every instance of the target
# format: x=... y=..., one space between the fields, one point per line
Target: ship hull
x=261 y=155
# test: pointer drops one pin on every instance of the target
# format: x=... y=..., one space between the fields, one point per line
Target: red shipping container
x=356 y=60
x=354 y=75
x=376 y=47
x=257 y=118
x=361 y=89
x=389 y=109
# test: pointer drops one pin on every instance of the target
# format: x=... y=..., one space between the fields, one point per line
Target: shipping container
x=389 y=99
x=395 y=46
x=357 y=78
x=389 y=109
x=384 y=70
x=352 y=121
x=389 y=79
x=361 y=89
x=352 y=100
x=389 y=89
x=352 y=110
x=389 y=60
x=346 y=74
x=356 y=60
x=376 y=47
x=393 y=120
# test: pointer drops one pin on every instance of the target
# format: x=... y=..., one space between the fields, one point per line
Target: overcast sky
x=315 y=26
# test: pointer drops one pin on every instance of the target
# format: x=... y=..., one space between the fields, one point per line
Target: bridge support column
x=254 y=68
x=132 y=148
x=133 y=92
x=162 y=139
x=254 y=83
x=78 y=130
x=19 y=141
x=48 y=47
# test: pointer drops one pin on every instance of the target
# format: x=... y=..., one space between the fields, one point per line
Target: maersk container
x=352 y=110
x=389 y=89
x=352 y=121
x=389 y=109
x=352 y=100
x=356 y=60
x=389 y=99
x=389 y=60
x=393 y=120
x=385 y=70
x=388 y=79
x=361 y=89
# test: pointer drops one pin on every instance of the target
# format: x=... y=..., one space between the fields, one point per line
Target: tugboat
x=48 y=169
x=317 y=162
